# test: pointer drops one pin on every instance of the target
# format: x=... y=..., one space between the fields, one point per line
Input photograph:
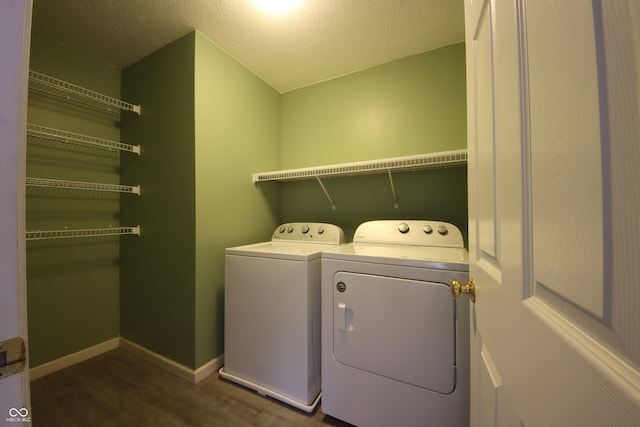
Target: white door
x=15 y=29
x=554 y=211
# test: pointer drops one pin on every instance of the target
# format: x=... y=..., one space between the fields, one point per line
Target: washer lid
x=456 y=259
x=281 y=250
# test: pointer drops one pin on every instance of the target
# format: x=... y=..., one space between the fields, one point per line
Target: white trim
x=159 y=360
x=72 y=359
x=213 y=366
x=188 y=374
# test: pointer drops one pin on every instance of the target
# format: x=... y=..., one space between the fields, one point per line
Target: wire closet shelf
x=82 y=233
x=418 y=162
x=442 y=159
x=78 y=185
x=66 y=137
x=73 y=93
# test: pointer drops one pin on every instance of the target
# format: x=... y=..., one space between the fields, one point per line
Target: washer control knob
x=282 y=229
x=443 y=230
x=427 y=229
x=290 y=229
x=321 y=229
x=305 y=229
x=403 y=228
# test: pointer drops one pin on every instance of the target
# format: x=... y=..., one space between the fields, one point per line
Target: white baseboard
x=188 y=374
x=71 y=359
x=208 y=368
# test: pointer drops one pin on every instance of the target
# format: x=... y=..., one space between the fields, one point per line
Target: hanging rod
x=76 y=138
x=421 y=161
x=77 y=185
x=90 y=232
x=71 y=92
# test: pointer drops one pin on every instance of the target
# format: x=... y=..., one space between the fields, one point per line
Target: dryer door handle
x=344 y=318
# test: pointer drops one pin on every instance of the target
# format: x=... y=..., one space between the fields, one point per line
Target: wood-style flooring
x=118 y=388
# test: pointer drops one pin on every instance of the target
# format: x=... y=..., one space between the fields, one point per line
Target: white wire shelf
x=421 y=161
x=78 y=185
x=80 y=233
x=442 y=159
x=58 y=135
x=73 y=93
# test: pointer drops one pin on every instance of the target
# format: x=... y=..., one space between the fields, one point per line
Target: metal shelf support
x=326 y=193
x=393 y=190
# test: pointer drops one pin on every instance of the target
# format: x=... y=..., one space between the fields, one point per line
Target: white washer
x=272 y=313
x=395 y=344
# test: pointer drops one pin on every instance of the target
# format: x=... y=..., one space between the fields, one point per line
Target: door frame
x=15 y=33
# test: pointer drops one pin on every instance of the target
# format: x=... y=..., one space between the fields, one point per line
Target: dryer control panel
x=410 y=232
x=309 y=232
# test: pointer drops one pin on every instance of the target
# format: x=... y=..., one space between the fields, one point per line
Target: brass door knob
x=470 y=289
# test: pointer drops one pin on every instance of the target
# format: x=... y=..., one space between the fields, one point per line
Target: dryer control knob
x=305 y=229
x=427 y=229
x=403 y=228
x=321 y=229
x=290 y=229
x=443 y=230
x=282 y=229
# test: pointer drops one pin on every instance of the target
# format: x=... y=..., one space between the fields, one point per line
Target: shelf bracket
x=393 y=190
x=326 y=193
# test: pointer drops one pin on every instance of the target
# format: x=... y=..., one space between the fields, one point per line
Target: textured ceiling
x=320 y=40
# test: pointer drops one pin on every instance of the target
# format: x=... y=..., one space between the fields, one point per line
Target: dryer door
x=402 y=329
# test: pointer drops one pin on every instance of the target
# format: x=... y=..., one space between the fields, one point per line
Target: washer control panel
x=311 y=232
x=410 y=232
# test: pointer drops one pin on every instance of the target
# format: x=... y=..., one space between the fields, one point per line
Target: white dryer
x=272 y=313
x=395 y=344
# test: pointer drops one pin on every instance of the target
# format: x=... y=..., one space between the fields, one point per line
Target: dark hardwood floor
x=118 y=388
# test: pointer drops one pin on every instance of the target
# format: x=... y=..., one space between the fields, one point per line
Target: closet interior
x=139 y=178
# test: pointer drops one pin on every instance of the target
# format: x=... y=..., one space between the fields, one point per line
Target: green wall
x=237 y=133
x=72 y=284
x=411 y=106
x=157 y=270
x=206 y=124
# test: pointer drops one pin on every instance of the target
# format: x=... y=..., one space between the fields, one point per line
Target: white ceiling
x=321 y=40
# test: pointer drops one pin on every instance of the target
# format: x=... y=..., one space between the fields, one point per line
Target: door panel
x=485 y=141
x=490 y=384
x=579 y=147
x=567 y=158
x=397 y=328
x=484 y=224
x=555 y=329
